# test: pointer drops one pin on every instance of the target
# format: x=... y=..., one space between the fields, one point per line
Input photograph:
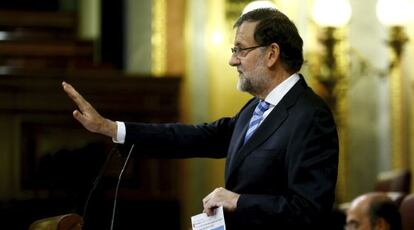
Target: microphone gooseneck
x=97 y=180
x=117 y=186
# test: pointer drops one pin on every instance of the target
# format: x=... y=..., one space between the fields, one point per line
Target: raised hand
x=88 y=116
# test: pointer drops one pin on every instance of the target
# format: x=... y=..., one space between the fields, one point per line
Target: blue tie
x=256 y=119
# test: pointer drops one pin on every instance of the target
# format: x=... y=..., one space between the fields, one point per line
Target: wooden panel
x=47 y=128
x=58 y=158
x=39 y=19
x=30 y=39
x=46 y=48
x=111 y=92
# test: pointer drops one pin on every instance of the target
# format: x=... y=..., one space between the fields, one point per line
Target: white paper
x=214 y=222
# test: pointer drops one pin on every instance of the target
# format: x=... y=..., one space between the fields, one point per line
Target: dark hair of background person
x=388 y=211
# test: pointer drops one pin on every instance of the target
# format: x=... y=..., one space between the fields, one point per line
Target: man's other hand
x=220 y=197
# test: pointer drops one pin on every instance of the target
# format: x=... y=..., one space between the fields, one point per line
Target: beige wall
x=89 y=19
x=138 y=36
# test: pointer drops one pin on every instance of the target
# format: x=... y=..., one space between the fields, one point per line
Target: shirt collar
x=276 y=95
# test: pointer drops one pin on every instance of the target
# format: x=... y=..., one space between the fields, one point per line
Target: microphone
x=117 y=186
x=98 y=179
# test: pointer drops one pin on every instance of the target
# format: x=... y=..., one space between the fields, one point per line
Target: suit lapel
x=237 y=151
x=269 y=125
x=239 y=132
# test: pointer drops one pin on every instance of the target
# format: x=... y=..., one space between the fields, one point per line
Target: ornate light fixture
x=331 y=16
x=330 y=70
x=395 y=14
x=331 y=13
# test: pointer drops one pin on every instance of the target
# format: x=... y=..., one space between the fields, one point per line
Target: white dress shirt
x=276 y=95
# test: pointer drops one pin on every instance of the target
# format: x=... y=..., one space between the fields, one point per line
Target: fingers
x=88 y=116
x=208 y=200
x=213 y=200
x=85 y=113
x=75 y=96
x=209 y=204
x=220 y=197
x=79 y=116
x=209 y=211
x=208 y=197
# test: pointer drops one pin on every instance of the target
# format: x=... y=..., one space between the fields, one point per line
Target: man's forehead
x=245 y=32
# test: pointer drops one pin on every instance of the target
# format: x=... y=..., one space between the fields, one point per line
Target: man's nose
x=234 y=61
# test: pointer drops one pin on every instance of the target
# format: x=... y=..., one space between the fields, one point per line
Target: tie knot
x=262 y=107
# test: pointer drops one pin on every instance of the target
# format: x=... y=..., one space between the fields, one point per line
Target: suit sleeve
x=311 y=163
x=175 y=140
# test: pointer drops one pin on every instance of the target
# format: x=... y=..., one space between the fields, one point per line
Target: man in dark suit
x=281 y=148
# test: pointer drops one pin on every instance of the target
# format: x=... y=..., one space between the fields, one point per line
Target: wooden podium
x=70 y=221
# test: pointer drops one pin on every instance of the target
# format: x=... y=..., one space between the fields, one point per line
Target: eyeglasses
x=242 y=52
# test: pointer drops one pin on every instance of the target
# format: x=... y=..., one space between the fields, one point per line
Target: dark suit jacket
x=286 y=172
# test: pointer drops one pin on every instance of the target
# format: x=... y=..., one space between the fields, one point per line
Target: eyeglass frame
x=236 y=51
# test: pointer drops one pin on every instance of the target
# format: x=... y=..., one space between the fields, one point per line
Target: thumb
x=78 y=116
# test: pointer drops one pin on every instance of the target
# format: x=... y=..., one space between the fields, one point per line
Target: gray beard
x=256 y=83
x=244 y=85
x=255 y=87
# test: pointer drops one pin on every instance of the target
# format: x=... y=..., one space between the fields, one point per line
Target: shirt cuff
x=120 y=133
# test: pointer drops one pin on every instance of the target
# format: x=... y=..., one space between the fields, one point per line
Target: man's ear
x=273 y=54
x=381 y=224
